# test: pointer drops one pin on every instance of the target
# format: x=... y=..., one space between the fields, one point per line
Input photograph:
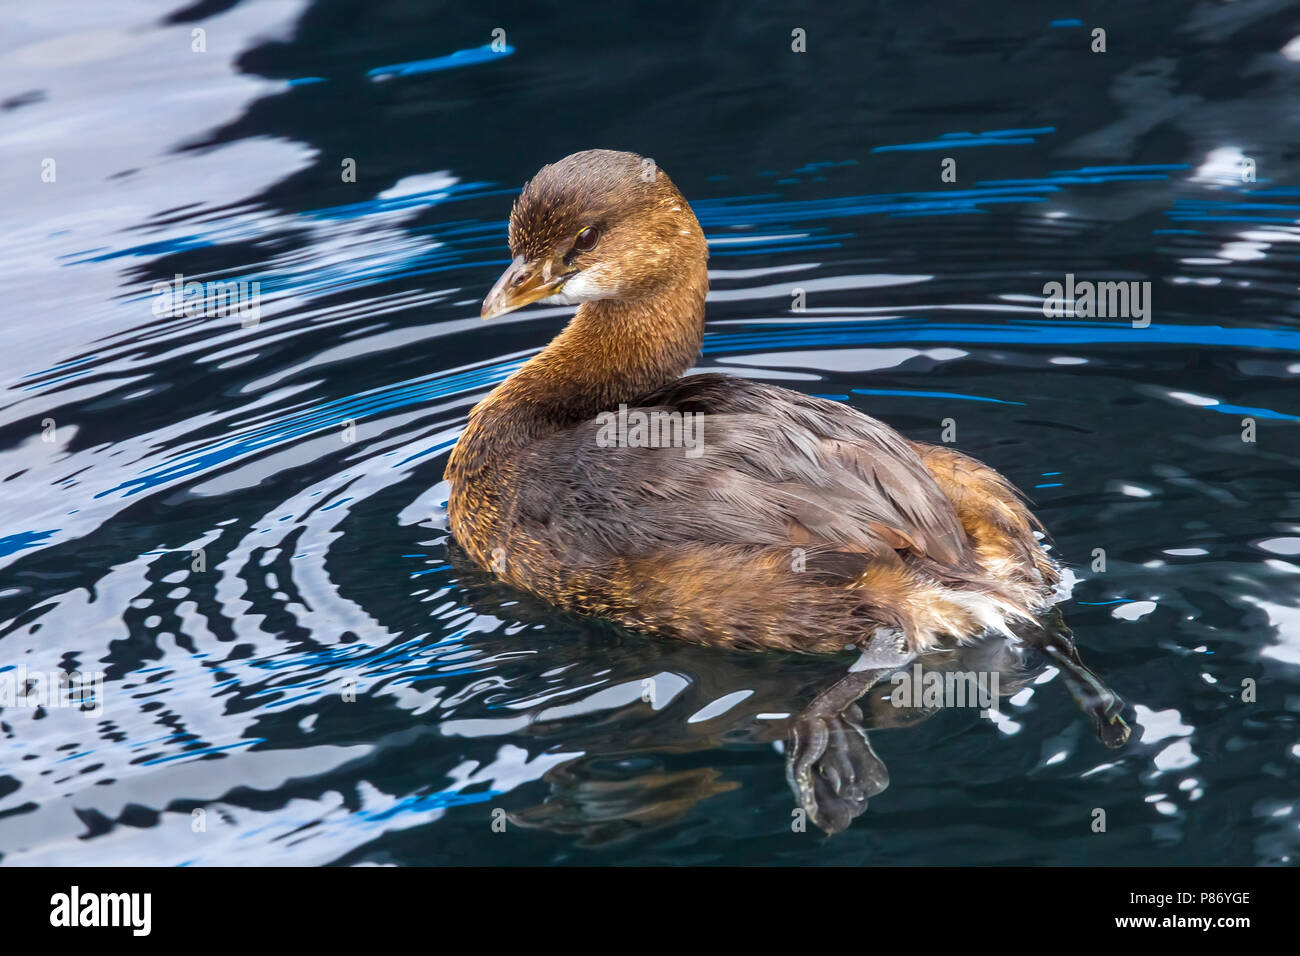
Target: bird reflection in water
x=619 y=784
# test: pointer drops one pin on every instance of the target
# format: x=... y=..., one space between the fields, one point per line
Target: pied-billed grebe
x=771 y=520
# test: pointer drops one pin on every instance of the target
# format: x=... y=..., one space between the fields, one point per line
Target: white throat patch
x=587 y=286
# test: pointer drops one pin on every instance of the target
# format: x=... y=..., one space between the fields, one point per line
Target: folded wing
x=768 y=468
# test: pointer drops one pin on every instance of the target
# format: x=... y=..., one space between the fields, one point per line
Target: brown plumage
x=795 y=523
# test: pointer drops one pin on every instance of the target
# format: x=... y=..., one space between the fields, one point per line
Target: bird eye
x=586 y=240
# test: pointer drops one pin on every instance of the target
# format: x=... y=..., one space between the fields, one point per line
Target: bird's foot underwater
x=1094 y=698
x=832 y=769
x=1103 y=705
x=829 y=763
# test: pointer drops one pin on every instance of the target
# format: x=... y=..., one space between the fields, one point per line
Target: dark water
x=323 y=569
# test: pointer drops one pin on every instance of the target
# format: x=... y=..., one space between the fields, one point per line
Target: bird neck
x=612 y=352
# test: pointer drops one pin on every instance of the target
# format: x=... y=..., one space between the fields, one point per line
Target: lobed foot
x=1094 y=698
x=832 y=769
x=829 y=762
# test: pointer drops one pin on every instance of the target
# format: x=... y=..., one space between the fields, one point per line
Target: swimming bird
x=710 y=508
